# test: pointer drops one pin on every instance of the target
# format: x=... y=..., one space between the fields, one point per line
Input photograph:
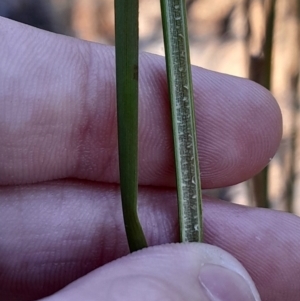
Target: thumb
x=169 y=272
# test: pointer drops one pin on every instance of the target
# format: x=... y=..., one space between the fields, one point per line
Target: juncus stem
x=126 y=26
x=183 y=119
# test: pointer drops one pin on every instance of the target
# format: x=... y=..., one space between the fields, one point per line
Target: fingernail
x=222 y=284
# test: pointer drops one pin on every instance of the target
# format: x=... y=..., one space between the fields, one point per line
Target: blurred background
x=257 y=39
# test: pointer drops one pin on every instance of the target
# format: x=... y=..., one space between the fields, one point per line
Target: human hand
x=60 y=210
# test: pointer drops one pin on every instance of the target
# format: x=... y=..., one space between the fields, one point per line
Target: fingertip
x=167 y=272
x=239 y=125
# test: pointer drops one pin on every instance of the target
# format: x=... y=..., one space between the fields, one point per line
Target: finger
x=267 y=242
x=52 y=234
x=170 y=272
x=57 y=232
x=58 y=115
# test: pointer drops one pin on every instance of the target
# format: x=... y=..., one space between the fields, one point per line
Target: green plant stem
x=184 y=129
x=126 y=27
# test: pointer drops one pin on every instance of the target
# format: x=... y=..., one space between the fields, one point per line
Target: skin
x=60 y=214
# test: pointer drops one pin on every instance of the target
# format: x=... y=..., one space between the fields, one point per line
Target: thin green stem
x=183 y=119
x=126 y=26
